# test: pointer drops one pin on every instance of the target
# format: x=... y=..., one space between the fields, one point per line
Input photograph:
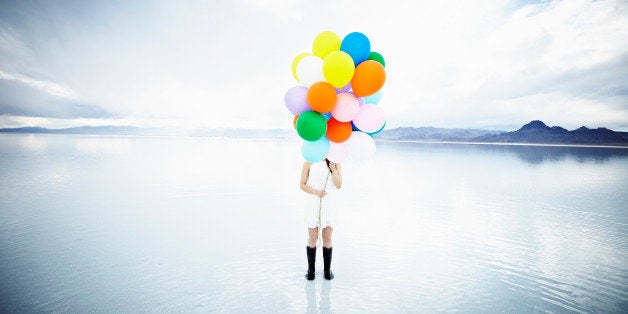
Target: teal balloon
x=383 y=126
x=374 y=99
x=357 y=45
x=311 y=125
x=315 y=151
x=327 y=115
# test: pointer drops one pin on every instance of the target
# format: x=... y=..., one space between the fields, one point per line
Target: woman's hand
x=333 y=167
x=336 y=173
x=321 y=193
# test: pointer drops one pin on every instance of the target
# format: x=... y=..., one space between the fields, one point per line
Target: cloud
x=47 y=87
x=214 y=64
x=23 y=96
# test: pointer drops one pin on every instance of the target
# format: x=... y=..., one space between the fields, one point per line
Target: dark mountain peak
x=557 y=130
x=535 y=125
x=582 y=129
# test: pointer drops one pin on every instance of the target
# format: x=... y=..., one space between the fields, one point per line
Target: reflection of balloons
x=294 y=120
x=310 y=70
x=360 y=146
x=376 y=56
x=380 y=129
x=369 y=77
x=321 y=96
x=295 y=61
x=295 y=99
x=338 y=131
x=357 y=45
x=370 y=118
x=374 y=99
x=315 y=151
x=337 y=152
x=325 y=43
x=338 y=68
x=346 y=108
x=311 y=126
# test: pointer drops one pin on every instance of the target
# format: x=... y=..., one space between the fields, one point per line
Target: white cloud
x=449 y=63
x=48 y=87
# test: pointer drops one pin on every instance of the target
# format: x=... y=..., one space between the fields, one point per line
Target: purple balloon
x=345 y=89
x=296 y=100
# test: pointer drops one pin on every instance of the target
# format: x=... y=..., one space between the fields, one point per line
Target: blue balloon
x=375 y=98
x=327 y=115
x=383 y=126
x=354 y=128
x=315 y=151
x=358 y=46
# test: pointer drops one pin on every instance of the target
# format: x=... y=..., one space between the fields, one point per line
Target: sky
x=204 y=64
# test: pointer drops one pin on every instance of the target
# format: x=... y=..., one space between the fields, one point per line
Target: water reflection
x=315 y=304
x=528 y=153
x=167 y=224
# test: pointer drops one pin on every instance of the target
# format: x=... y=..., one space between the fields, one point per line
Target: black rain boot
x=311 y=260
x=327 y=262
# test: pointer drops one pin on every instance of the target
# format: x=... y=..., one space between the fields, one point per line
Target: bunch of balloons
x=335 y=107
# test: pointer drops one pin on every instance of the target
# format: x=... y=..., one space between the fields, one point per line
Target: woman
x=320 y=180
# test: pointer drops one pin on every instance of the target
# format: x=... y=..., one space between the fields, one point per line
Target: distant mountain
x=538 y=132
x=533 y=132
x=77 y=130
x=432 y=134
x=132 y=130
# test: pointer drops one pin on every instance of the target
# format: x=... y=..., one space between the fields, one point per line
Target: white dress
x=320 y=211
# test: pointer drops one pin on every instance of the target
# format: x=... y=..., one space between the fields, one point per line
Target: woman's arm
x=337 y=175
x=305 y=172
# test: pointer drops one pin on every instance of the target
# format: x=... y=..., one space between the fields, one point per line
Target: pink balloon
x=337 y=152
x=370 y=118
x=346 y=107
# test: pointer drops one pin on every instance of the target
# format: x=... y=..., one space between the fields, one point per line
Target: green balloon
x=376 y=56
x=311 y=125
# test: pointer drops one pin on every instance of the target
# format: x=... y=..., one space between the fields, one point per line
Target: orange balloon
x=337 y=131
x=369 y=77
x=294 y=120
x=321 y=96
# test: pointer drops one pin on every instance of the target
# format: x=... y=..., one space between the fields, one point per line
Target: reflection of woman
x=321 y=181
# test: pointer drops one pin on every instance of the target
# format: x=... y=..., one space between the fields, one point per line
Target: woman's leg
x=327 y=236
x=312 y=236
x=327 y=252
x=311 y=252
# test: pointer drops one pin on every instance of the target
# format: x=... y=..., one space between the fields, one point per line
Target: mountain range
x=533 y=132
x=538 y=132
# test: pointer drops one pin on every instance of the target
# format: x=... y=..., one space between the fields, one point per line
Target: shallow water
x=113 y=223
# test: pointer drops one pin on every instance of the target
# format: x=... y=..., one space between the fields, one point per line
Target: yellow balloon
x=338 y=68
x=295 y=62
x=325 y=43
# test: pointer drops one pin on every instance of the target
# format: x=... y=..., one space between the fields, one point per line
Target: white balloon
x=337 y=152
x=310 y=70
x=360 y=146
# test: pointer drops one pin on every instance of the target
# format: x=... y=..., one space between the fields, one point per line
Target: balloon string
x=320 y=206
